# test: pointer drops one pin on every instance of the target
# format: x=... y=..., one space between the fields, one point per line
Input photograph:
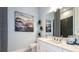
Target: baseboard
x=23 y=50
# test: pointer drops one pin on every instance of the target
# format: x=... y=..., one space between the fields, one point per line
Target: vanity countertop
x=74 y=48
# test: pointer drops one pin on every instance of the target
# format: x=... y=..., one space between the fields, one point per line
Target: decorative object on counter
x=24 y=22
x=77 y=39
x=71 y=41
x=48 y=25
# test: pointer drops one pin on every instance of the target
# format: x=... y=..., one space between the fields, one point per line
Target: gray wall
x=3 y=28
x=57 y=23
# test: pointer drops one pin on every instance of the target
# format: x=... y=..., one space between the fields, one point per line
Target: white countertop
x=74 y=48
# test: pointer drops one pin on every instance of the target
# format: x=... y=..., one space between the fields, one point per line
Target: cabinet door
x=41 y=47
x=53 y=48
x=46 y=47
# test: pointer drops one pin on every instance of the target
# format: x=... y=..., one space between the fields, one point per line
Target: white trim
x=21 y=50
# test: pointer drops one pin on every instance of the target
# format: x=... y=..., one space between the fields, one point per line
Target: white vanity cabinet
x=41 y=47
x=53 y=48
x=47 y=47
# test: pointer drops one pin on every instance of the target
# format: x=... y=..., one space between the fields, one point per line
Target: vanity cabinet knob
x=60 y=39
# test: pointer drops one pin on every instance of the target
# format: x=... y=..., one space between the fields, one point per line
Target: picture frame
x=48 y=26
x=23 y=22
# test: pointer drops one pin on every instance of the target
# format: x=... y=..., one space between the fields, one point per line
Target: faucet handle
x=60 y=40
x=54 y=38
x=57 y=39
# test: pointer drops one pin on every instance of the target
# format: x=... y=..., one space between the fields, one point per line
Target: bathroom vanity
x=51 y=45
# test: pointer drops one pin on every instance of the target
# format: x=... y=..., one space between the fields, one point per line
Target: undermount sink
x=56 y=40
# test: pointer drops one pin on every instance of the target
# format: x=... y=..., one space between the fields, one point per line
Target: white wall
x=43 y=13
x=19 y=40
x=76 y=20
x=66 y=14
x=50 y=16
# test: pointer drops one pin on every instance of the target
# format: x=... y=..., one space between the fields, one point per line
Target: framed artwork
x=48 y=26
x=24 y=22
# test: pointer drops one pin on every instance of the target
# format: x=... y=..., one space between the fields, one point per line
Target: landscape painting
x=24 y=22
